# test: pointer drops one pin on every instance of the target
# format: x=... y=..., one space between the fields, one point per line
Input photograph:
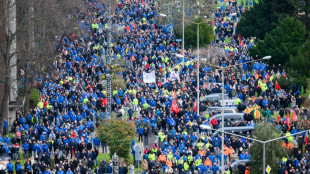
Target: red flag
x=74 y=134
x=195 y=105
x=72 y=151
x=174 y=107
x=125 y=101
x=288 y=119
x=278 y=87
x=82 y=139
x=294 y=116
x=174 y=94
x=306 y=139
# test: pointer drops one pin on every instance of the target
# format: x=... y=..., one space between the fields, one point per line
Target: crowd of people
x=58 y=136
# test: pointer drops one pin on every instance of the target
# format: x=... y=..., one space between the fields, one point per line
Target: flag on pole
x=174 y=94
x=195 y=105
x=294 y=116
x=174 y=107
x=278 y=87
x=125 y=101
x=288 y=119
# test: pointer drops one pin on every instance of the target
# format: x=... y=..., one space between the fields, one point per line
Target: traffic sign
x=268 y=169
x=138 y=152
x=178 y=40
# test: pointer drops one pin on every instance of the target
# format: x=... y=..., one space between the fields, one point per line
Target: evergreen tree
x=273 y=150
x=282 y=42
x=117 y=134
x=299 y=65
x=205 y=34
x=263 y=17
x=302 y=10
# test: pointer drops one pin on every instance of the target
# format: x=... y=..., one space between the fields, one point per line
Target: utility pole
x=109 y=58
x=183 y=14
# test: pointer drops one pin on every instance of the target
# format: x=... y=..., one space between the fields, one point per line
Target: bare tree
x=192 y=8
x=29 y=40
x=51 y=23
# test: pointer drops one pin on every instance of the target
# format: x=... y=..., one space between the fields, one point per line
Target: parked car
x=232 y=116
x=218 y=110
x=215 y=97
x=236 y=163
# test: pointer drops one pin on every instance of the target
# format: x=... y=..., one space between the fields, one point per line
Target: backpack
x=35 y=119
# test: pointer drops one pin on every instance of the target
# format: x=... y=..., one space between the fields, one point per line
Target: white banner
x=174 y=76
x=149 y=77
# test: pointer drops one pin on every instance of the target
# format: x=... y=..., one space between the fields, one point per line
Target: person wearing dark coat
x=89 y=146
x=241 y=168
x=109 y=168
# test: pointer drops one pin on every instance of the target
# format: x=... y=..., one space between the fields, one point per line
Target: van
x=215 y=97
x=241 y=130
x=231 y=116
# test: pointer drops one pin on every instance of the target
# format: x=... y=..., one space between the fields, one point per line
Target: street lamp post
x=264 y=157
x=183 y=34
x=197 y=70
x=183 y=40
x=222 y=156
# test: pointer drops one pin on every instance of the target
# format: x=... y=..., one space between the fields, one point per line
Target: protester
x=74 y=99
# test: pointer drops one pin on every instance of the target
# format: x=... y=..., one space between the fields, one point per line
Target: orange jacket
x=169 y=163
x=202 y=153
x=247 y=170
x=162 y=158
x=230 y=151
x=208 y=162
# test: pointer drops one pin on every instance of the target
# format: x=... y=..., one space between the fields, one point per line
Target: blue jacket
x=42 y=137
x=242 y=156
x=10 y=167
x=215 y=169
x=109 y=169
x=25 y=146
x=97 y=141
x=140 y=130
x=18 y=167
x=7 y=140
x=69 y=172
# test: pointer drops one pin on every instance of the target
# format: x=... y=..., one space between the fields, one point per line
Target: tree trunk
x=28 y=87
x=5 y=99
